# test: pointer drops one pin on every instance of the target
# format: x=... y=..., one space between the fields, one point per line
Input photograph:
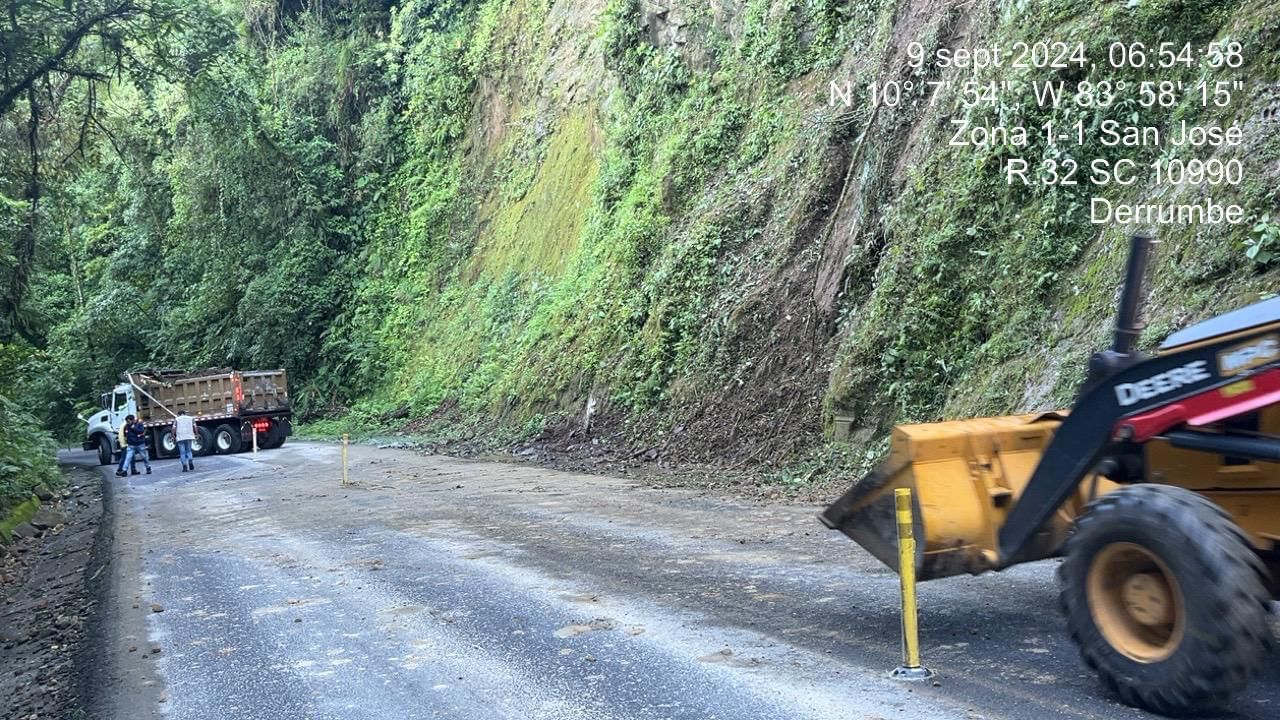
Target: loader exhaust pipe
x=1123 y=351
x=1132 y=296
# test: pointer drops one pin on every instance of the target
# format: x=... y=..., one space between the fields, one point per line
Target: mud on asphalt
x=47 y=602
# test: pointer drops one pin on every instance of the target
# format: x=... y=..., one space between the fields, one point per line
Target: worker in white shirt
x=184 y=431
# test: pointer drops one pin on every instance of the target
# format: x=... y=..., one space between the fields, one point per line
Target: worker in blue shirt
x=135 y=434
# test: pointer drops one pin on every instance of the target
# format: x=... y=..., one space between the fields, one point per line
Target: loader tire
x=1165 y=598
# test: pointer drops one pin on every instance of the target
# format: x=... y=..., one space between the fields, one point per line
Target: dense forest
x=507 y=214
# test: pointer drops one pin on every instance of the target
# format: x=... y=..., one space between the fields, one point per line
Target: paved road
x=442 y=588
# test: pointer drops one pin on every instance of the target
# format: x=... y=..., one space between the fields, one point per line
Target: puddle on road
x=571 y=631
x=726 y=656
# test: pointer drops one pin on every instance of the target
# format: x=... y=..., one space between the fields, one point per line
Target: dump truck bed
x=232 y=393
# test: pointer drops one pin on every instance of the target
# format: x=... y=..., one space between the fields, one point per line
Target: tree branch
x=86 y=74
x=69 y=45
x=90 y=106
x=110 y=137
x=24 y=241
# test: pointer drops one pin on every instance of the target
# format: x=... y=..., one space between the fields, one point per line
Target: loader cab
x=1249 y=317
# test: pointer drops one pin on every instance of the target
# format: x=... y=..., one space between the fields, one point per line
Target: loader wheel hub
x=1148 y=599
x=1136 y=602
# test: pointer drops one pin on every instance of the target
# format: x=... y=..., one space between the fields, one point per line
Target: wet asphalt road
x=443 y=588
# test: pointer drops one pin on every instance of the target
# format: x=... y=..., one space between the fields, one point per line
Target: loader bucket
x=964 y=477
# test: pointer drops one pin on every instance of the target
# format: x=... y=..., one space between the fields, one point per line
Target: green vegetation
x=984 y=272
x=485 y=213
x=17 y=515
x=26 y=448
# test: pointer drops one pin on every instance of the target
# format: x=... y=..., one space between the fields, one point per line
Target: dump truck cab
x=103 y=425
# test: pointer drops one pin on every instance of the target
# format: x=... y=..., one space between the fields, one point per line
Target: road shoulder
x=118 y=671
x=47 y=603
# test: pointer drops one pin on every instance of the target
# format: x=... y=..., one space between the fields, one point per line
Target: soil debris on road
x=595 y=597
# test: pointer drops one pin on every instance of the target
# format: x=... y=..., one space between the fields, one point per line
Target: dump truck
x=230 y=408
x=1159 y=488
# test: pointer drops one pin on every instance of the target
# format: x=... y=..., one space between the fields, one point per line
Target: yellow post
x=911 y=669
x=346 y=442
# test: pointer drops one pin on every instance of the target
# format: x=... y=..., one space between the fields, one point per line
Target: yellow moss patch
x=540 y=231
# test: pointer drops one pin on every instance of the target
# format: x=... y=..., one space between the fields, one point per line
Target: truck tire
x=276 y=437
x=166 y=444
x=203 y=444
x=1165 y=598
x=105 y=451
x=226 y=439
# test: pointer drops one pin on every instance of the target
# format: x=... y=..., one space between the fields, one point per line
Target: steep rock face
x=656 y=203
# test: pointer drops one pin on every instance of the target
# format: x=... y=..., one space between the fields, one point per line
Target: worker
x=123 y=444
x=184 y=432
x=136 y=434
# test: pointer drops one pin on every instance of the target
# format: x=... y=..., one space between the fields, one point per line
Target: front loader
x=1160 y=488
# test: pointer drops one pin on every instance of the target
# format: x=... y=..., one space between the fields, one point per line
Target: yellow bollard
x=346 y=442
x=911 y=669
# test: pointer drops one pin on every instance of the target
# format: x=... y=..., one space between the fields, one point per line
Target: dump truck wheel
x=226 y=439
x=104 y=450
x=166 y=444
x=276 y=437
x=203 y=444
x=1165 y=598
